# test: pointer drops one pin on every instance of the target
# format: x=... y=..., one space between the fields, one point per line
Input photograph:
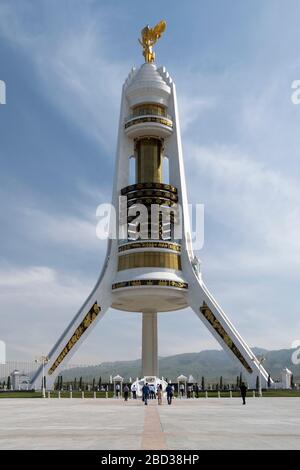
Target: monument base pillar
x=149 y=344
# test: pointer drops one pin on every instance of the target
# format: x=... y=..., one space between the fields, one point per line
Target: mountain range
x=211 y=364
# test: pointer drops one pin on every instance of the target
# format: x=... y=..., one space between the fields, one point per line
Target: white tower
x=156 y=271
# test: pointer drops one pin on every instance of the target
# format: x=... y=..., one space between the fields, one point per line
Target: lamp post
x=43 y=360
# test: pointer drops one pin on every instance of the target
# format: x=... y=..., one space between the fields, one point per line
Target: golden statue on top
x=149 y=36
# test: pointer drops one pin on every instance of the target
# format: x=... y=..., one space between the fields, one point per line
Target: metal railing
x=143 y=115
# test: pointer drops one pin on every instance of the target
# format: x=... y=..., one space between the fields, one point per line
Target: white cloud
x=192 y=108
x=41 y=286
x=61 y=229
x=76 y=75
x=253 y=200
x=37 y=275
x=40 y=300
x=83 y=84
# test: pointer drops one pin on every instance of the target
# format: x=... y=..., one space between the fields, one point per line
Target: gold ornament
x=149 y=36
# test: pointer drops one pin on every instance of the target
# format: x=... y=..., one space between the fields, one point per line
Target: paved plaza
x=264 y=423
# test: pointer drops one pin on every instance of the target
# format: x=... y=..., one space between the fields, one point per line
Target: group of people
x=149 y=392
x=190 y=390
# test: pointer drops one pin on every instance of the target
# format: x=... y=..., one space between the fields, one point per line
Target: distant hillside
x=211 y=364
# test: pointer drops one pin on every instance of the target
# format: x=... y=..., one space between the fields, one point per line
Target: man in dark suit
x=169 y=391
x=146 y=392
x=243 y=389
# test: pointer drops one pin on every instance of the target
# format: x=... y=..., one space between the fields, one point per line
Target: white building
x=20 y=381
x=286 y=378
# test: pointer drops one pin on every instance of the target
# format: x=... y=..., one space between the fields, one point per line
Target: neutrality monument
x=150 y=266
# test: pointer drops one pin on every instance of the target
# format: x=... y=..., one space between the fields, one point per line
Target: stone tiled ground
x=264 y=423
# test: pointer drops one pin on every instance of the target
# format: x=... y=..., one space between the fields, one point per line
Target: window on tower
x=149 y=109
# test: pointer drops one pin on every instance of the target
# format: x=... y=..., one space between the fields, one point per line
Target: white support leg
x=214 y=318
x=149 y=344
x=77 y=331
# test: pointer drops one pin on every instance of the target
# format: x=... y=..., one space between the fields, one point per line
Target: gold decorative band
x=162 y=245
x=139 y=186
x=150 y=282
x=140 y=120
x=147 y=259
x=86 y=322
x=210 y=317
x=148 y=201
x=152 y=193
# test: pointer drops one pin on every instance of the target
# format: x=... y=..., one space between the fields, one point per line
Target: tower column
x=149 y=344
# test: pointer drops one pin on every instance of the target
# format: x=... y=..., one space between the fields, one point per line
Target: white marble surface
x=264 y=423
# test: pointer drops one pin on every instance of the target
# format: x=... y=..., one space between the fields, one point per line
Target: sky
x=64 y=63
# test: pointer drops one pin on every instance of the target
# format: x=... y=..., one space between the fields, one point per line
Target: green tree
x=269 y=381
x=221 y=382
x=203 y=383
x=100 y=382
x=292 y=381
x=257 y=383
x=58 y=383
x=80 y=383
x=94 y=384
x=8 y=382
x=75 y=384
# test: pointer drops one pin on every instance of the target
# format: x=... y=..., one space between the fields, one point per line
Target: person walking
x=118 y=389
x=126 y=392
x=159 y=394
x=152 y=391
x=243 y=389
x=146 y=392
x=182 y=388
x=169 y=391
x=133 y=389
